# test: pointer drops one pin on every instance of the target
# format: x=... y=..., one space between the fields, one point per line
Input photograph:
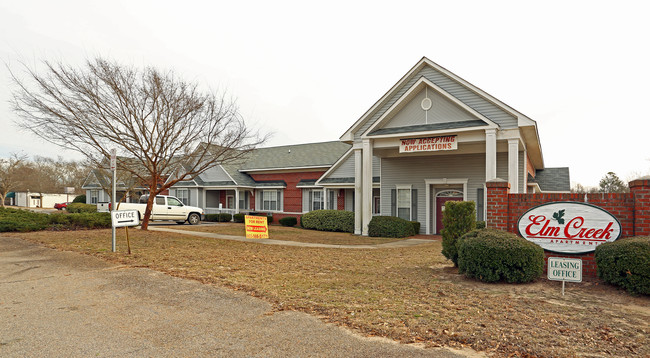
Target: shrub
x=224 y=217
x=416 y=227
x=80 y=199
x=458 y=219
x=480 y=225
x=328 y=220
x=390 y=226
x=288 y=221
x=269 y=218
x=21 y=220
x=81 y=221
x=239 y=218
x=211 y=217
x=81 y=208
x=625 y=263
x=495 y=255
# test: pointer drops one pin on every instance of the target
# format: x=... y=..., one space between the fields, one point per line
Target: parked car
x=166 y=208
x=61 y=206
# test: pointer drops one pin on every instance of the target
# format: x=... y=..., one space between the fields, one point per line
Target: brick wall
x=631 y=209
x=292 y=195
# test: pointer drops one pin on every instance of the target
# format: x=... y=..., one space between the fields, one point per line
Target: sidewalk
x=394 y=244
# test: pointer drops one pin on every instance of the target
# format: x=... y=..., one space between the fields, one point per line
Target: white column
x=236 y=200
x=325 y=198
x=513 y=165
x=357 y=190
x=490 y=154
x=366 y=180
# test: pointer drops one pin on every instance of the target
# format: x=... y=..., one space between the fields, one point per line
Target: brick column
x=497 y=204
x=640 y=189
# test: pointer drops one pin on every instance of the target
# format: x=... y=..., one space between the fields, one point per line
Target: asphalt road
x=63 y=304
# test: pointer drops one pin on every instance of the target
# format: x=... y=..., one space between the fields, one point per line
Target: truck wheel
x=194 y=219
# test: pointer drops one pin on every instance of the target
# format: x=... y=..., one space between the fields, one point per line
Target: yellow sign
x=256 y=227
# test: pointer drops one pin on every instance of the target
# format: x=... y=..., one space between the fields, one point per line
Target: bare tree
x=10 y=174
x=158 y=121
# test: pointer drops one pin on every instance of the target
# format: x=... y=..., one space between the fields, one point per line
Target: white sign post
x=113 y=208
x=564 y=269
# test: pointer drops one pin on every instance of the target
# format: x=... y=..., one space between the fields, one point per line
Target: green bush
x=390 y=226
x=480 y=225
x=328 y=220
x=288 y=221
x=458 y=219
x=211 y=217
x=80 y=199
x=21 y=220
x=416 y=227
x=239 y=218
x=80 y=221
x=225 y=217
x=494 y=255
x=625 y=263
x=81 y=208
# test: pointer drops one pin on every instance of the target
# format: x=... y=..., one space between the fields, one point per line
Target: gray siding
x=346 y=169
x=415 y=170
x=454 y=88
x=442 y=111
x=215 y=174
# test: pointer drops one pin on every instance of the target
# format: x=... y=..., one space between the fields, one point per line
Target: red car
x=61 y=206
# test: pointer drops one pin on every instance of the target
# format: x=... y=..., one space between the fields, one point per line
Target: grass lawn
x=290 y=234
x=412 y=294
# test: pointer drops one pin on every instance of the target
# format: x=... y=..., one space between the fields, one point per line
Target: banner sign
x=256 y=227
x=430 y=144
x=569 y=227
x=564 y=269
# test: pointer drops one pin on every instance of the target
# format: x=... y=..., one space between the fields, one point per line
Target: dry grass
x=408 y=294
x=291 y=234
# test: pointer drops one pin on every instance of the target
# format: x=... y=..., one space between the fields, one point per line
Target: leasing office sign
x=429 y=144
x=569 y=227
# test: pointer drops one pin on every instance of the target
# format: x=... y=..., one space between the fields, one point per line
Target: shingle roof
x=296 y=156
x=429 y=127
x=552 y=179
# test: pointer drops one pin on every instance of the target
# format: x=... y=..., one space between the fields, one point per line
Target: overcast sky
x=306 y=72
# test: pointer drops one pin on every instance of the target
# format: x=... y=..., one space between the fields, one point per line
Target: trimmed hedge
x=225 y=217
x=239 y=218
x=416 y=227
x=494 y=255
x=21 y=220
x=81 y=208
x=328 y=220
x=80 y=199
x=390 y=226
x=458 y=219
x=625 y=263
x=288 y=221
x=480 y=225
x=80 y=221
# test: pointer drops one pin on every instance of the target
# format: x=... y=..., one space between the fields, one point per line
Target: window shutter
x=311 y=201
x=258 y=200
x=279 y=200
x=414 y=205
x=332 y=200
x=393 y=202
x=479 y=204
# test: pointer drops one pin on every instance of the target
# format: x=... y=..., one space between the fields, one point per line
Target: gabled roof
x=299 y=156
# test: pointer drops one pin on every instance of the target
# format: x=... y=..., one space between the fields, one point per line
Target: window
x=172 y=202
x=243 y=200
x=375 y=205
x=183 y=195
x=160 y=200
x=317 y=200
x=230 y=202
x=94 y=194
x=404 y=202
x=270 y=200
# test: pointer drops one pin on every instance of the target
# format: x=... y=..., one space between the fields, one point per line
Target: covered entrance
x=441 y=198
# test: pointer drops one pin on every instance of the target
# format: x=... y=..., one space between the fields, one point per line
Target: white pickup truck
x=166 y=208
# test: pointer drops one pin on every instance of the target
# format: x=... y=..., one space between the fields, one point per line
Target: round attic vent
x=426 y=104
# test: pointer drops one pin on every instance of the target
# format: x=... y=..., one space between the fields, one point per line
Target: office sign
x=564 y=269
x=122 y=218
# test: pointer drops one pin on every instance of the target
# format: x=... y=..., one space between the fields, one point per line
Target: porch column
x=357 y=191
x=325 y=198
x=490 y=154
x=236 y=201
x=513 y=165
x=366 y=178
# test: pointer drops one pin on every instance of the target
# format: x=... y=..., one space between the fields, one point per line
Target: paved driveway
x=62 y=304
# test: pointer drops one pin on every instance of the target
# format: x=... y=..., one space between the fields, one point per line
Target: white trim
x=225 y=171
x=427 y=192
x=427 y=133
x=416 y=86
x=283 y=168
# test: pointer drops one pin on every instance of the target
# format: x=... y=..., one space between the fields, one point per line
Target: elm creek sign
x=569 y=227
x=429 y=144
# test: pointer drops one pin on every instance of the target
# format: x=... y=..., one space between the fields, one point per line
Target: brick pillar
x=640 y=189
x=497 y=204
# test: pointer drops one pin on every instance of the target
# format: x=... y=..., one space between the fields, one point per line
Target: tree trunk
x=147 y=212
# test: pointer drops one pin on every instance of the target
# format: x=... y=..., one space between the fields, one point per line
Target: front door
x=440 y=205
